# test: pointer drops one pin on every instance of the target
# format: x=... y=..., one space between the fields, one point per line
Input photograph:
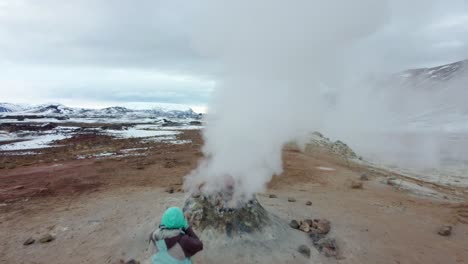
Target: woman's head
x=173 y=218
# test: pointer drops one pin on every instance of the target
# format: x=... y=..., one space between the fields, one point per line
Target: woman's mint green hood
x=174 y=218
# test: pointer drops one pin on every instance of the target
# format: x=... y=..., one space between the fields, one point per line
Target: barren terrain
x=101 y=208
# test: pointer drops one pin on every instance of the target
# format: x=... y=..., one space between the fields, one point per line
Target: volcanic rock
x=294 y=224
x=291 y=200
x=304 y=227
x=304 y=250
x=356 y=185
x=364 y=177
x=241 y=229
x=310 y=222
x=29 y=241
x=46 y=238
x=327 y=246
x=226 y=216
x=321 y=226
x=308 y=203
x=170 y=189
x=445 y=230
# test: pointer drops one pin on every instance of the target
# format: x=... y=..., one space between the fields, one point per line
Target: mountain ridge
x=55 y=110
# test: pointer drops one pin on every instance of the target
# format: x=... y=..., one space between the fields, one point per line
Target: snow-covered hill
x=61 y=111
x=439 y=76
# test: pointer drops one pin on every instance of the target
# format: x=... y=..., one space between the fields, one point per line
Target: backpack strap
x=161 y=245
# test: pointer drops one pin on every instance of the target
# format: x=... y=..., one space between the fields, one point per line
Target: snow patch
x=41 y=141
x=325 y=168
x=140 y=133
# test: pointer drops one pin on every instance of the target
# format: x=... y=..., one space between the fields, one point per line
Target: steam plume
x=277 y=58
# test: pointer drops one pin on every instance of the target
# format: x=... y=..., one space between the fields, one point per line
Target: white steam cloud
x=279 y=59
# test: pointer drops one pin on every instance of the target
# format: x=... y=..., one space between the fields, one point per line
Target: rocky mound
x=319 y=142
x=243 y=232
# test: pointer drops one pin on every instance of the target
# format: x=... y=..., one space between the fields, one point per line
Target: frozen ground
x=34 y=142
x=27 y=140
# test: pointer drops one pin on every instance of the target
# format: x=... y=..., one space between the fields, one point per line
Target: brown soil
x=100 y=210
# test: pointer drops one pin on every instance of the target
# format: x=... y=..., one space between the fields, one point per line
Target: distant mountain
x=63 y=112
x=430 y=98
x=7 y=107
x=4 y=110
x=433 y=77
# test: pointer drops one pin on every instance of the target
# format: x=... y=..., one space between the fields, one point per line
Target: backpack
x=163 y=256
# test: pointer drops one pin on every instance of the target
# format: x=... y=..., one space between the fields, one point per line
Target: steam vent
x=242 y=232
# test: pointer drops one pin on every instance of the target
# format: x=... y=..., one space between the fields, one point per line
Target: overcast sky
x=100 y=53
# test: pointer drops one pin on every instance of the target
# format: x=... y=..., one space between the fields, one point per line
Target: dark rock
x=170 y=189
x=327 y=246
x=294 y=224
x=132 y=261
x=170 y=164
x=315 y=237
x=29 y=241
x=195 y=123
x=445 y=230
x=364 y=177
x=304 y=250
x=356 y=185
x=46 y=238
x=308 y=203
x=272 y=196
x=291 y=200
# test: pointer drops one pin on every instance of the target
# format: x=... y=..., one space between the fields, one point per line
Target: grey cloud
x=42 y=43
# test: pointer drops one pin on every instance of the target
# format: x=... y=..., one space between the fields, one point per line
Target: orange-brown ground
x=101 y=210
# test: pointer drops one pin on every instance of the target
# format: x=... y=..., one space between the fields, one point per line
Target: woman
x=174 y=240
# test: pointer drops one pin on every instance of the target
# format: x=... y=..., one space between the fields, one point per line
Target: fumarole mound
x=243 y=232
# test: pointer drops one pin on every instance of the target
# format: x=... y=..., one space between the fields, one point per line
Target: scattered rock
x=327 y=246
x=308 y=203
x=320 y=226
x=315 y=237
x=342 y=149
x=323 y=226
x=304 y=227
x=46 y=238
x=291 y=200
x=445 y=230
x=392 y=181
x=195 y=123
x=43 y=191
x=304 y=250
x=132 y=261
x=272 y=196
x=170 y=164
x=309 y=222
x=29 y=241
x=170 y=189
x=364 y=177
x=356 y=185
x=294 y=224
x=179 y=190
